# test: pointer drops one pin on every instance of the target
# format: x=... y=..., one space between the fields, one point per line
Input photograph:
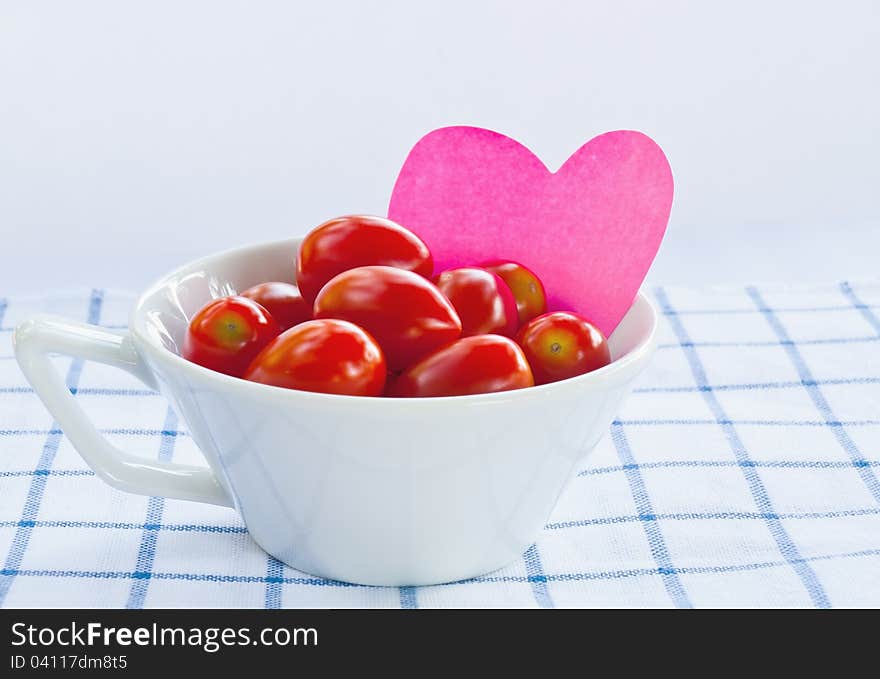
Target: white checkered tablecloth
x=742 y=471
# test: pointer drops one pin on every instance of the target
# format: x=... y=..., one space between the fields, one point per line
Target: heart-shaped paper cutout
x=589 y=231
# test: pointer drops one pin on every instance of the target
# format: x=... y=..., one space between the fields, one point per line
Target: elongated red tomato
x=328 y=356
x=404 y=312
x=283 y=301
x=227 y=333
x=471 y=365
x=482 y=299
x=562 y=344
x=357 y=240
x=527 y=289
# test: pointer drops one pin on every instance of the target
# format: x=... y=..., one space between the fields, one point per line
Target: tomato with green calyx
x=527 y=289
x=562 y=344
x=227 y=333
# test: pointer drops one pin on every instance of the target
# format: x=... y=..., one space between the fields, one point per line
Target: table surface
x=741 y=471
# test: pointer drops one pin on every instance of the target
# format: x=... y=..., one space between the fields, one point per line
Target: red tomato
x=472 y=365
x=404 y=312
x=482 y=299
x=527 y=289
x=562 y=344
x=283 y=301
x=328 y=356
x=227 y=333
x=349 y=242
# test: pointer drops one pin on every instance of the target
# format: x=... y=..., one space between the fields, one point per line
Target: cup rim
x=594 y=379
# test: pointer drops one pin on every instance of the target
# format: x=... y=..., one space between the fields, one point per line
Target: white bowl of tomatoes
x=372 y=420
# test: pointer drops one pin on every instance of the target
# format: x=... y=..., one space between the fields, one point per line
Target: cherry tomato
x=472 y=365
x=527 y=289
x=562 y=344
x=348 y=242
x=227 y=333
x=328 y=356
x=404 y=312
x=283 y=301
x=482 y=299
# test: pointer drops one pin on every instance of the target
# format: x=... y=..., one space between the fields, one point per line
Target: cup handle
x=37 y=338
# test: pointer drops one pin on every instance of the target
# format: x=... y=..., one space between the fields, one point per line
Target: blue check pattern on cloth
x=744 y=470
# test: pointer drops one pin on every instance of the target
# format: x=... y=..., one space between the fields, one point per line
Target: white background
x=135 y=136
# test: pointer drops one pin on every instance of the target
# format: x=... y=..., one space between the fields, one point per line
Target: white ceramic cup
x=376 y=491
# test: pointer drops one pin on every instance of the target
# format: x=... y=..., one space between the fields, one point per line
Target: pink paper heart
x=590 y=230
